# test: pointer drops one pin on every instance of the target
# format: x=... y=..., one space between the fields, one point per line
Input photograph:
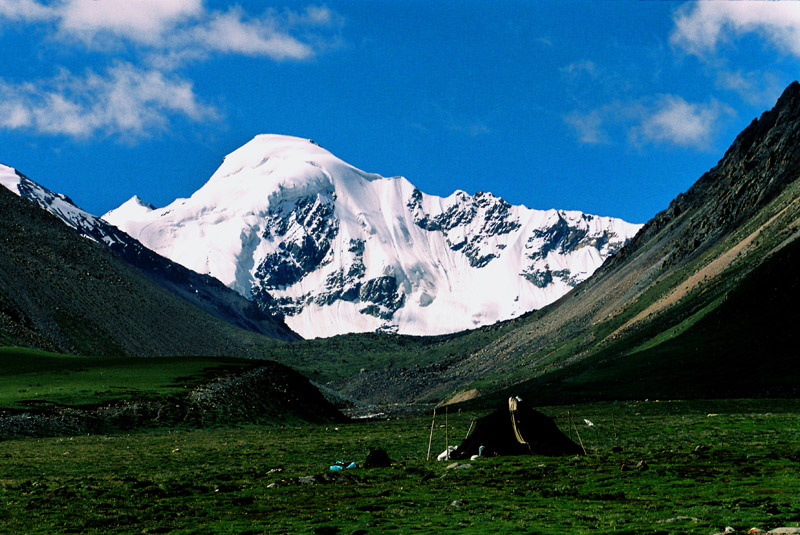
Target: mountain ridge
x=650 y=306
x=342 y=250
x=62 y=292
x=201 y=290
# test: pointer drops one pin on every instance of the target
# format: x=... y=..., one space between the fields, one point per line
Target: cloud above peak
x=664 y=119
x=25 y=10
x=125 y=101
x=176 y=27
x=234 y=32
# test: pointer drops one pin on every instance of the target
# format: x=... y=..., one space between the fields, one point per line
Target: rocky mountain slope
x=62 y=292
x=341 y=250
x=262 y=392
x=699 y=303
x=201 y=290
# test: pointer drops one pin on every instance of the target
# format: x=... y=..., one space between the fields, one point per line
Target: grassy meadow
x=652 y=467
x=33 y=379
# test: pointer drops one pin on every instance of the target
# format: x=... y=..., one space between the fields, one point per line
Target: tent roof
x=516 y=430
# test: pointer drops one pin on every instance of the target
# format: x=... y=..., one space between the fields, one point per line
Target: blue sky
x=611 y=108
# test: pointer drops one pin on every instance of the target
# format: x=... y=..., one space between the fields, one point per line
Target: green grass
x=339 y=357
x=34 y=379
x=678 y=329
x=735 y=467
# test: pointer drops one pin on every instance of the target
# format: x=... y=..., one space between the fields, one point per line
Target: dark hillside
x=745 y=347
x=203 y=291
x=62 y=292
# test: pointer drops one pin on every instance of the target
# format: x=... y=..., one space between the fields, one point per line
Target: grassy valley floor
x=653 y=467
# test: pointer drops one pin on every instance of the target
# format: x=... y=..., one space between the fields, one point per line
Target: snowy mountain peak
x=341 y=250
x=56 y=203
x=136 y=200
x=132 y=208
x=9 y=178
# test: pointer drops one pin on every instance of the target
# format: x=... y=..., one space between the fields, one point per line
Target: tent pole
x=446 y=435
x=470 y=428
x=430 y=439
x=576 y=432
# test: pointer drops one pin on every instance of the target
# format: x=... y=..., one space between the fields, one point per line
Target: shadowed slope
x=62 y=292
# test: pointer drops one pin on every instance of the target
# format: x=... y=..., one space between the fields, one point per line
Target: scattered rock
x=377 y=458
x=679 y=519
x=758 y=531
x=456 y=503
x=325 y=478
x=458 y=466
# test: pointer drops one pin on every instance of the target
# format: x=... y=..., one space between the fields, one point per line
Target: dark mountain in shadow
x=62 y=292
x=204 y=291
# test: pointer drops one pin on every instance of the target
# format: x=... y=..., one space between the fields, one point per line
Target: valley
x=678 y=352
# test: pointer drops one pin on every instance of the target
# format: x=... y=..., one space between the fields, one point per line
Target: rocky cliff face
x=757 y=166
x=341 y=250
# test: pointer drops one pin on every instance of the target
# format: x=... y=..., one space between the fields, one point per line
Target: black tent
x=516 y=430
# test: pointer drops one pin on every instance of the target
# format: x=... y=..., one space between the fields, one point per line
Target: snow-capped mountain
x=341 y=250
x=200 y=289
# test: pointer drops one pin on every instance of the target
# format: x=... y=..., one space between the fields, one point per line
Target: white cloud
x=701 y=26
x=230 y=32
x=143 y=21
x=131 y=101
x=664 y=120
x=320 y=16
x=179 y=29
x=673 y=120
x=124 y=101
x=25 y=10
x=757 y=88
x=588 y=126
x=578 y=68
